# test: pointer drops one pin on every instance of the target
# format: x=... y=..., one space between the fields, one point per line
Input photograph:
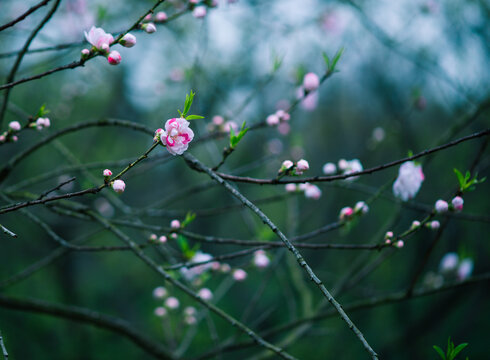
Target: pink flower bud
x=239 y=275
x=105 y=47
x=389 y=235
x=218 y=120
x=260 y=259
x=290 y=187
x=399 y=244
x=47 y=122
x=150 y=28
x=457 y=203
x=85 y=53
x=329 y=168
x=118 y=186
x=199 y=12
x=2 y=138
x=160 y=311
x=172 y=303
x=286 y=165
x=361 y=207
x=15 y=138
x=147 y=18
x=284 y=128
x=161 y=16
x=14 y=126
x=114 y=57
x=415 y=224
x=190 y=320
x=153 y=237
x=301 y=166
x=312 y=192
x=205 y=294
x=345 y=213
x=225 y=268
x=174 y=236
x=434 y=225
x=387 y=241
x=128 y=40
x=441 y=206
x=465 y=269
x=175 y=224
x=107 y=172
x=272 y=120
x=449 y=262
x=159 y=292
x=40 y=122
x=230 y=125
x=162 y=239
x=311 y=82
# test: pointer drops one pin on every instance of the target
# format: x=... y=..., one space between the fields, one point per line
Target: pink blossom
x=225 y=268
x=218 y=120
x=389 y=235
x=465 y=269
x=172 y=303
x=160 y=311
x=118 y=186
x=362 y=207
x=345 y=212
x=399 y=244
x=284 y=128
x=199 y=12
x=128 y=40
x=175 y=224
x=310 y=102
x=161 y=16
x=387 y=241
x=190 y=311
x=312 y=192
x=85 y=52
x=457 y=203
x=192 y=272
x=15 y=138
x=2 y=138
x=415 y=224
x=290 y=187
x=205 y=294
x=239 y=275
x=114 y=57
x=441 y=206
x=153 y=237
x=47 y=122
x=409 y=180
x=283 y=115
x=159 y=292
x=329 y=168
x=434 y=225
x=311 y=82
x=162 y=239
x=174 y=236
x=177 y=135
x=42 y=122
x=190 y=320
x=449 y=262
x=350 y=167
x=260 y=259
x=147 y=17
x=107 y=172
x=99 y=38
x=286 y=165
x=302 y=165
x=230 y=125
x=272 y=120
x=14 y=126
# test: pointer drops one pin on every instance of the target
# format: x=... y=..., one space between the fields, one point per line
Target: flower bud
x=239 y=275
x=449 y=262
x=114 y=57
x=15 y=138
x=159 y=292
x=162 y=239
x=205 y=294
x=175 y=224
x=107 y=173
x=465 y=269
x=415 y=224
x=272 y=120
x=160 y=311
x=286 y=165
x=218 y=120
x=150 y=28
x=457 y=203
x=362 y=207
x=389 y=235
x=312 y=191
x=85 y=53
x=399 y=244
x=290 y=187
x=441 y=206
x=161 y=16
x=434 y=225
x=199 y=12
x=301 y=166
x=118 y=186
x=172 y=303
x=128 y=40
x=311 y=82
x=153 y=237
x=345 y=212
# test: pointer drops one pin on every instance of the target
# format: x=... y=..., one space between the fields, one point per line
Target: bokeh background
x=411 y=75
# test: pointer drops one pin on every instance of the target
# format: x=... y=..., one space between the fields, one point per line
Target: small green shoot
x=235 y=139
x=451 y=351
x=42 y=111
x=189 y=98
x=331 y=64
x=466 y=183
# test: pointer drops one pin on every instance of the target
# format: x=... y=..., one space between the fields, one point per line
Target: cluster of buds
x=280 y=119
x=442 y=206
x=101 y=43
x=290 y=168
x=452 y=266
x=159 y=17
x=162 y=239
x=311 y=191
x=344 y=167
x=6 y=136
x=218 y=123
x=390 y=240
x=346 y=213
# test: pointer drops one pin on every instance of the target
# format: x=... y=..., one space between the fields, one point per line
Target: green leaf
x=440 y=352
x=189 y=217
x=194 y=117
x=336 y=58
x=189 y=98
x=183 y=244
x=458 y=349
x=460 y=178
x=327 y=60
x=42 y=111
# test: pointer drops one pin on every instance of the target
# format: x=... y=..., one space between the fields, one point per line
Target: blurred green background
x=411 y=74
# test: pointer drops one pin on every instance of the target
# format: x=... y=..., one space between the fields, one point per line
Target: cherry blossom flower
x=260 y=259
x=162 y=239
x=349 y=167
x=345 y=213
x=449 y=262
x=441 y=206
x=272 y=120
x=239 y=275
x=361 y=207
x=218 y=120
x=160 y=311
x=107 y=172
x=118 y=186
x=153 y=237
x=159 y=292
x=14 y=126
x=329 y=168
x=311 y=82
x=161 y=16
x=172 y=303
x=175 y=224
x=434 y=225
x=193 y=272
x=199 y=12
x=465 y=269
x=149 y=28
x=399 y=244
x=415 y=224
x=286 y=165
x=312 y=191
x=409 y=180
x=290 y=187
x=205 y=294
x=99 y=38
x=177 y=135
x=457 y=203
x=301 y=166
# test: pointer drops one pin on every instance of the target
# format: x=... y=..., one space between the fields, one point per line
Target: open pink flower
x=177 y=135
x=410 y=178
x=99 y=38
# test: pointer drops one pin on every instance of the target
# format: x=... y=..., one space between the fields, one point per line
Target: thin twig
x=7 y=231
x=4 y=349
x=24 y=15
